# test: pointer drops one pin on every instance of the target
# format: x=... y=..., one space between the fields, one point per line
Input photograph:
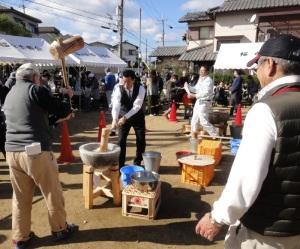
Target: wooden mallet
x=61 y=48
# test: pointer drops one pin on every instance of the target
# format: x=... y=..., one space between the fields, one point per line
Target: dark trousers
x=235 y=100
x=153 y=104
x=139 y=129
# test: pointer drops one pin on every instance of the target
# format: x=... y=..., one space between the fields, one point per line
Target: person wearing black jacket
x=29 y=156
x=236 y=91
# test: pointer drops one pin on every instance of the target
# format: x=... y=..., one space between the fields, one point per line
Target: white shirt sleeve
x=137 y=104
x=250 y=166
x=116 y=102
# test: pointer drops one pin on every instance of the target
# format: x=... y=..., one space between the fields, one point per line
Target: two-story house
x=200 y=40
x=28 y=22
x=238 y=21
x=129 y=53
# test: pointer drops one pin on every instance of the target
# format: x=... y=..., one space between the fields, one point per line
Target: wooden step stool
x=110 y=189
x=134 y=202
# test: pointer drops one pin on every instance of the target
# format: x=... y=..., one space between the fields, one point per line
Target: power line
x=132 y=34
x=58 y=15
x=136 y=37
x=84 y=11
x=146 y=10
x=68 y=11
x=150 y=8
x=159 y=14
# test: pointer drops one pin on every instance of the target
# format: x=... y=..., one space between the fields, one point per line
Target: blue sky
x=85 y=17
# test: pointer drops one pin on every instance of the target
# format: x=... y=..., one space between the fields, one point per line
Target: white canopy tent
x=236 y=55
x=97 y=57
x=19 y=49
x=8 y=53
x=108 y=57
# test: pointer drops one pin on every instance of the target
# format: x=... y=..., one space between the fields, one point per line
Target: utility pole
x=120 y=27
x=163 y=31
x=146 y=51
x=162 y=20
x=23 y=6
x=140 y=42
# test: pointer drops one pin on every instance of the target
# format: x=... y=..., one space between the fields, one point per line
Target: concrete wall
x=199 y=43
x=229 y=25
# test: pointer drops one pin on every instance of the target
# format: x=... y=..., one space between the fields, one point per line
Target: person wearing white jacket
x=203 y=92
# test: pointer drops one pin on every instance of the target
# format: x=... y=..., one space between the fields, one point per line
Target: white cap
x=91 y=75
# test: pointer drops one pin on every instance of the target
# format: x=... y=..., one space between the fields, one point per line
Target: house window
x=206 y=33
x=32 y=28
x=201 y=33
x=20 y=22
x=193 y=34
x=219 y=42
x=131 y=52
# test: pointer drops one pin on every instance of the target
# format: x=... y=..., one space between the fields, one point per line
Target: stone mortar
x=97 y=159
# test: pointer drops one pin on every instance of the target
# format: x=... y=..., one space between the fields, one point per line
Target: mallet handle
x=64 y=72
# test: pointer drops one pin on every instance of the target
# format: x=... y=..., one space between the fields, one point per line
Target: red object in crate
x=182 y=153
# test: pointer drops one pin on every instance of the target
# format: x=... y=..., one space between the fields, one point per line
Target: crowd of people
x=260 y=202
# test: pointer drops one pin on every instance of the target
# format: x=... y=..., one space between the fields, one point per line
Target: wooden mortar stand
x=111 y=176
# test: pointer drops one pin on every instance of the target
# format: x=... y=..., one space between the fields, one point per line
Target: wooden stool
x=197 y=169
x=149 y=201
x=110 y=189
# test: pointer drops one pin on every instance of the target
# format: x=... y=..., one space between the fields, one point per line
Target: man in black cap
x=261 y=200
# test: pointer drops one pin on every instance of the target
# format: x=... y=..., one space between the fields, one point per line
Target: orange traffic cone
x=173 y=113
x=102 y=124
x=238 y=116
x=66 y=155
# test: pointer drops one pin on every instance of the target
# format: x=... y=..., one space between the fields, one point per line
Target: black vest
x=127 y=103
x=276 y=211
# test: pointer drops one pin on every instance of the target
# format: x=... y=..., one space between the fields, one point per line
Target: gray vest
x=26 y=121
x=276 y=211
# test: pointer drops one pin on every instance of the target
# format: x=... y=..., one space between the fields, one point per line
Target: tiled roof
x=117 y=45
x=168 y=51
x=237 y=5
x=195 y=16
x=199 y=54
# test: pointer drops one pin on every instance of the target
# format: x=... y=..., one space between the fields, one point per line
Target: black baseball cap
x=283 y=46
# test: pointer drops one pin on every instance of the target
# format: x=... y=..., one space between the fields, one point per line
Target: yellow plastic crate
x=212 y=148
x=195 y=175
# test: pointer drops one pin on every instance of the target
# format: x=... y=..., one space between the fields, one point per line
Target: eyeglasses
x=261 y=61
